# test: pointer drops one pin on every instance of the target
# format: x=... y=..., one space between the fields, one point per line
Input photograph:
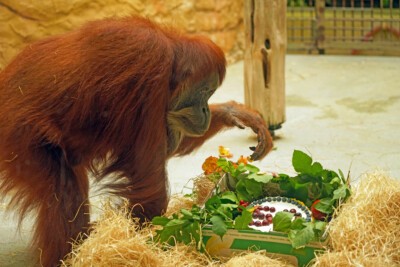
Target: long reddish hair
x=106 y=80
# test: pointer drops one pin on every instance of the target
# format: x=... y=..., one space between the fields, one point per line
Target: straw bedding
x=366 y=232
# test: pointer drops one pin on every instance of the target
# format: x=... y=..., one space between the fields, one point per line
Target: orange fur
x=99 y=96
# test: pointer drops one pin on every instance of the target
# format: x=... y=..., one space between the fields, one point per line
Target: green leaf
x=248 y=189
x=327 y=190
x=213 y=203
x=282 y=221
x=241 y=190
x=320 y=226
x=335 y=181
x=175 y=223
x=325 y=205
x=187 y=213
x=251 y=168
x=191 y=232
x=229 y=196
x=196 y=217
x=314 y=191
x=281 y=178
x=316 y=168
x=228 y=206
x=226 y=166
x=297 y=224
x=218 y=225
x=299 y=238
x=242 y=176
x=300 y=191
x=222 y=162
x=340 y=193
x=196 y=209
x=301 y=162
x=285 y=182
x=172 y=229
x=241 y=168
x=242 y=221
x=329 y=175
x=262 y=177
x=254 y=188
x=214 y=177
x=159 y=220
x=342 y=176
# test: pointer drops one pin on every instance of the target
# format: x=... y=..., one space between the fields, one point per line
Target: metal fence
x=355 y=26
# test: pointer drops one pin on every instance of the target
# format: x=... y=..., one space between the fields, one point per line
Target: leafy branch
x=313 y=182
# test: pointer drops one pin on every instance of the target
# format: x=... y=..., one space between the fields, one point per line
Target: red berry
x=266 y=208
x=316 y=213
x=265 y=223
x=243 y=203
x=297 y=214
x=269 y=219
x=257 y=223
x=272 y=209
x=293 y=211
x=268 y=215
x=261 y=216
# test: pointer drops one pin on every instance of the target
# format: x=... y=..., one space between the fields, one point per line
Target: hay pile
x=116 y=240
x=202 y=188
x=367 y=229
x=366 y=232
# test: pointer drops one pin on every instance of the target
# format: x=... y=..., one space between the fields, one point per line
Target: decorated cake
x=266 y=208
x=239 y=207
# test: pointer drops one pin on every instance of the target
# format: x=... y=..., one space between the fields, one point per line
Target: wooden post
x=264 y=59
x=320 y=14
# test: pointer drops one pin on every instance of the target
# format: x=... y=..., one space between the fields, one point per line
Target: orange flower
x=210 y=165
x=243 y=160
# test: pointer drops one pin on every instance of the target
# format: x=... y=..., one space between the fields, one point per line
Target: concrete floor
x=344 y=111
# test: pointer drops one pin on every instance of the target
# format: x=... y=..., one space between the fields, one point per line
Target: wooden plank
x=264 y=59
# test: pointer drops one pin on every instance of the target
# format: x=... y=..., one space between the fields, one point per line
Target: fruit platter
x=266 y=208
